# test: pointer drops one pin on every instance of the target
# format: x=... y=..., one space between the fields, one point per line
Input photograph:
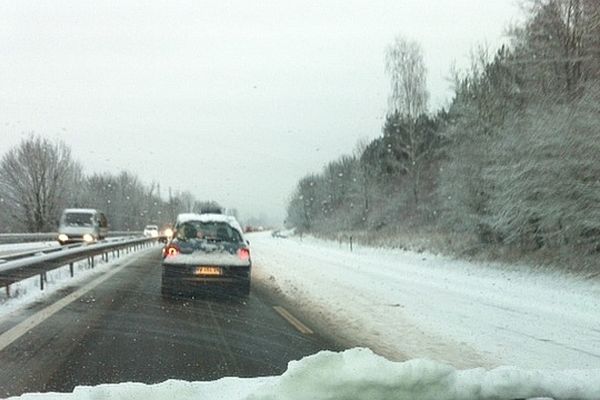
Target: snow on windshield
x=361 y=374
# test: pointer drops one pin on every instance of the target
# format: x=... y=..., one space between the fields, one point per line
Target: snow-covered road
x=407 y=305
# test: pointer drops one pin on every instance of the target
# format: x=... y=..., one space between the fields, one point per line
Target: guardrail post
x=71 y=269
x=350 y=243
x=7 y=290
x=41 y=281
x=92 y=258
x=118 y=255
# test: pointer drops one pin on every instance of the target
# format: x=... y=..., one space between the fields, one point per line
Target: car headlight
x=62 y=237
x=88 y=238
x=168 y=232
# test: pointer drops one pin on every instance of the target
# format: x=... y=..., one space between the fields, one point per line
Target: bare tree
x=408 y=78
x=36 y=179
x=408 y=102
x=364 y=175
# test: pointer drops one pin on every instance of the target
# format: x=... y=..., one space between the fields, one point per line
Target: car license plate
x=208 y=271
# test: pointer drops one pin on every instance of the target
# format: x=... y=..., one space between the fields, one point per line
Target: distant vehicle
x=151 y=231
x=250 y=229
x=166 y=233
x=206 y=250
x=278 y=234
x=82 y=225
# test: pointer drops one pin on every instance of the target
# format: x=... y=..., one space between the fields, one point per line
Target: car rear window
x=211 y=231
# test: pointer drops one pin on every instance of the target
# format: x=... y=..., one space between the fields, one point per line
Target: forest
x=511 y=167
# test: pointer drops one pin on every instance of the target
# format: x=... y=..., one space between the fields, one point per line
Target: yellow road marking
x=293 y=320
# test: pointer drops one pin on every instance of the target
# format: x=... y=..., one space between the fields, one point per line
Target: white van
x=82 y=225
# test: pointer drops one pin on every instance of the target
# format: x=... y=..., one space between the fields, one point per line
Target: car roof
x=184 y=217
x=80 y=210
x=228 y=219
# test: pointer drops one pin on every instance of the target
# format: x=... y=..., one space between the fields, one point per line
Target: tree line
x=514 y=160
x=39 y=178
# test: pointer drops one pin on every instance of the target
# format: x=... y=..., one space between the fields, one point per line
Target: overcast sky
x=233 y=101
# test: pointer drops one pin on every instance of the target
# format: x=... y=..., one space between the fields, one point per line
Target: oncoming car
x=207 y=250
x=82 y=225
x=151 y=231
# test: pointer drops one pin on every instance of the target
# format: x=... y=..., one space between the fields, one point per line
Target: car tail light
x=171 y=250
x=244 y=253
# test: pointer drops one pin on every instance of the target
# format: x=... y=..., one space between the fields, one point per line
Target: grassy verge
x=468 y=247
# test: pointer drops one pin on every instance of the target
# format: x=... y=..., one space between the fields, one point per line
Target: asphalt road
x=123 y=330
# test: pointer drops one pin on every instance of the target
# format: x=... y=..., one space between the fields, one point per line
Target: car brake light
x=244 y=253
x=172 y=250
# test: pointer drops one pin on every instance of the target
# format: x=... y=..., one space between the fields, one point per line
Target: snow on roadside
x=360 y=374
x=28 y=291
x=408 y=305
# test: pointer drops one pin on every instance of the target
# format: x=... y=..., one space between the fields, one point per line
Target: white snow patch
x=360 y=374
x=10 y=248
x=408 y=305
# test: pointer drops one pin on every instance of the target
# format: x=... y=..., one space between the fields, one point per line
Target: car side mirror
x=248 y=242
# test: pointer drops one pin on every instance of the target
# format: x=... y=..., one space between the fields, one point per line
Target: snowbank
x=407 y=305
x=360 y=374
x=9 y=248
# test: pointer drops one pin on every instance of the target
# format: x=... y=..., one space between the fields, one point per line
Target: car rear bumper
x=185 y=276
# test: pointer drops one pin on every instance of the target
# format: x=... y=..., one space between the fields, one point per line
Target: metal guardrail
x=6 y=238
x=22 y=268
